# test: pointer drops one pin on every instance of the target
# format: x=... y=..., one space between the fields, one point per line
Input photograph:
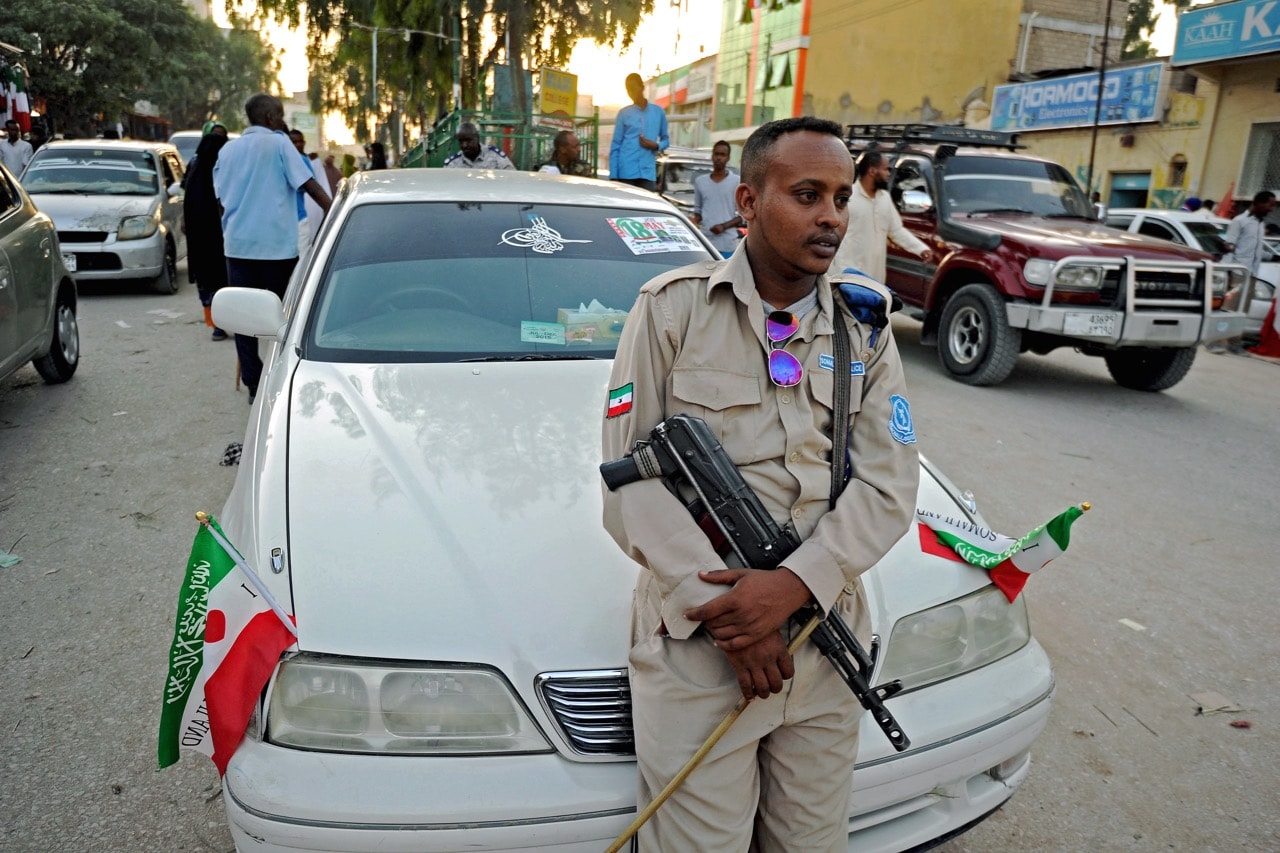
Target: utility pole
x=1097 y=107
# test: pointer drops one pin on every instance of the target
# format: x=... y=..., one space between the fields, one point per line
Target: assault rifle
x=683 y=449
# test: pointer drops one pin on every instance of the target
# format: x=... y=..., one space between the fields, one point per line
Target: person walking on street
x=310 y=214
x=1246 y=246
x=873 y=218
x=472 y=155
x=257 y=178
x=715 y=201
x=639 y=135
x=564 y=157
x=752 y=335
x=15 y=152
x=332 y=174
x=377 y=155
x=38 y=136
x=202 y=223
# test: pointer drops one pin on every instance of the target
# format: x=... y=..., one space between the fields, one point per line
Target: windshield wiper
x=537 y=356
x=1002 y=210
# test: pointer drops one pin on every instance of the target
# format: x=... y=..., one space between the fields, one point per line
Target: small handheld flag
x=227 y=639
x=1010 y=561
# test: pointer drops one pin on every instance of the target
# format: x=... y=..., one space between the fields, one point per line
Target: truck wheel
x=1150 y=369
x=167 y=282
x=64 y=351
x=976 y=344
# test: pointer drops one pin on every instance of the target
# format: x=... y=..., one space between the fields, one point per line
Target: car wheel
x=64 y=351
x=167 y=282
x=976 y=344
x=1150 y=369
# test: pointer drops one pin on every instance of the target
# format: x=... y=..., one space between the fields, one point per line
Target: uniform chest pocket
x=728 y=401
x=822 y=386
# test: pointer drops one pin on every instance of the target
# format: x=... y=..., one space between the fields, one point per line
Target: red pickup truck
x=1021 y=264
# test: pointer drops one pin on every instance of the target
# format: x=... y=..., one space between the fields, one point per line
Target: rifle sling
x=840 y=404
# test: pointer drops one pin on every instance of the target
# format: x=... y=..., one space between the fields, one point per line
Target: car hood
x=452 y=512
x=1079 y=236
x=91 y=212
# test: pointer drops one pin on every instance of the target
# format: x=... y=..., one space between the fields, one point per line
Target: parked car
x=186 y=141
x=37 y=295
x=420 y=473
x=1025 y=267
x=117 y=206
x=677 y=169
x=1208 y=234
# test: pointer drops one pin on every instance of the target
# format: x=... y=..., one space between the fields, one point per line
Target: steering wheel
x=419 y=297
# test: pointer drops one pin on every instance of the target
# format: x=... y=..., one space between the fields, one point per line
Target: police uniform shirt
x=490 y=158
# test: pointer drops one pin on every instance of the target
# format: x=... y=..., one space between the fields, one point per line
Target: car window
x=421 y=281
x=1121 y=222
x=911 y=185
x=9 y=198
x=92 y=171
x=1209 y=235
x=1009 y=185
x=1156 y=228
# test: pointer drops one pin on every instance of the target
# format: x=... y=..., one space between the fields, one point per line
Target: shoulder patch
x=702 y=270
x=900 y=425
x=452 y=157
x=497 y=151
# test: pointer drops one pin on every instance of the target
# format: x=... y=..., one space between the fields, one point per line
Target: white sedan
x=419 y=487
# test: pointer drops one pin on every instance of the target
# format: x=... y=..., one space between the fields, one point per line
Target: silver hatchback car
x=117 y=206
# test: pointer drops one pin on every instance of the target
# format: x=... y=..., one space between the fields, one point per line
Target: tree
x=1139 y=23
x=420 y=42
x=90 y=60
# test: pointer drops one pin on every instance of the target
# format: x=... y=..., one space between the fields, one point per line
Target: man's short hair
x=723 y=142
x=13 y=122
x=758 y=152
x=561 y=138
x=467 y=129
x=867 y=160
x=258 y=107
x=299 y=134
x=1263 y=197
x=634 y=78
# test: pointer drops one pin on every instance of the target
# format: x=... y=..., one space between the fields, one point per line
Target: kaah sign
x=557 y=98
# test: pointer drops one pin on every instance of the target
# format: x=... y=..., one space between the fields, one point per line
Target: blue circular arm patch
x=900 y=425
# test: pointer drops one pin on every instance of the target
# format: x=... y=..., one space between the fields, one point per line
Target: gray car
x=117 y=206
x=37 y=294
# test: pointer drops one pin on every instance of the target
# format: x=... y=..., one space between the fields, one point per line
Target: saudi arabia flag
x=1010 y=561
x=227 y=640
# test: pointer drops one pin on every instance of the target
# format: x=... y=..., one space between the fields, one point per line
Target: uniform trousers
x=790 y=755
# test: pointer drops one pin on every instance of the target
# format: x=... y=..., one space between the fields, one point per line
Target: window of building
x=1261 y=169
x=1178 y=171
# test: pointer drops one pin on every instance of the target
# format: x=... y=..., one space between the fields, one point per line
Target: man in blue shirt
x=257 y=180
x=639 y=133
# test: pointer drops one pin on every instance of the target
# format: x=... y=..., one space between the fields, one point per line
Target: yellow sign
x=557 y=98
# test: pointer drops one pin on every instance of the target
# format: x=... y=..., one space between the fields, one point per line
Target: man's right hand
x=761 y=668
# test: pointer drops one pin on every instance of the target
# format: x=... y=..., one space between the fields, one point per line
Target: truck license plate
x=1091 y=325
x=69 y=260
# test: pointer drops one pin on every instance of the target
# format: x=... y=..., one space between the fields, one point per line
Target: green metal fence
x=526 y=143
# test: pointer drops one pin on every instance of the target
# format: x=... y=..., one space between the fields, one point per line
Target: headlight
x=351 y=706
x=1079 y=278
x=954 y=638
x=1225 y=279
x=137 y=227
x=1036 y=271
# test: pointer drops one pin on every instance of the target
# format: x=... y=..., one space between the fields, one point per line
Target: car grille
x=1156 y=284
x=592 y=710
x=97 y=262
x=82 y=236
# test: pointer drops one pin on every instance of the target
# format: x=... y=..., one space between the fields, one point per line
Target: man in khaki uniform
x=704 y=635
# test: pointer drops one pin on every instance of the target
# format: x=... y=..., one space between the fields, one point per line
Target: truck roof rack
x=905 y=134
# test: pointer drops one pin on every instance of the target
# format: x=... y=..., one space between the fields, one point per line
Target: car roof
x=1160 y=213
x=120 y=144
x=483 y=185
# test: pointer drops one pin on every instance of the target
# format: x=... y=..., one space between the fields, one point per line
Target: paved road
x=99 y=478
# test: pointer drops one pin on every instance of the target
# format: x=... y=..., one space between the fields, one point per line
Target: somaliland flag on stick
x=1010 y=561
x=227 y=640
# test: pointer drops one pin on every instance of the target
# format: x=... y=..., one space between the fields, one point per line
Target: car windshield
x=92 y=171
x=1209 y=235
x=977 y=185
x=435 y=281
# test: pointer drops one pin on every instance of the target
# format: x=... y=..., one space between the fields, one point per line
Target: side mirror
x=916 y=201
x=174 y=190
x=248 y=311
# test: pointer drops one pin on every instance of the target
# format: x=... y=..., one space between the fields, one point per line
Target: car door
x=26 y=280
x=910 y=191
x=1153 y=227
x=172 y=204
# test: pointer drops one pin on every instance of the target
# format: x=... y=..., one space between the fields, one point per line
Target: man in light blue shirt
x=257 y=180
x=639 y=134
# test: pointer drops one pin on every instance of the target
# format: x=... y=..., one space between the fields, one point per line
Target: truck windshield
x=986 y=185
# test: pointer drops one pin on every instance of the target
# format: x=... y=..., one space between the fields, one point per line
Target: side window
x=8 y=196
x=1155 y=228
x=910 y=191
x=169 y=177
x=175 y=163
x=1121 y=222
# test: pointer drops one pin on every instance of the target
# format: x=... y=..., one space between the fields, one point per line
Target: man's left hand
x=759 y=603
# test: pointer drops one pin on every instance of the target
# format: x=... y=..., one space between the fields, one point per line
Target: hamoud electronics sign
x=1130 y=94
x=1227 y=31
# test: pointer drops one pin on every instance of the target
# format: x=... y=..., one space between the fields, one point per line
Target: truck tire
x=976 y=344
x=167 y=282
x=60 y=362
x=1150 y=369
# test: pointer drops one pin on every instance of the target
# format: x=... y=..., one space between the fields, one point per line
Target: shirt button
x=795 y=513
x=795 y=457
x=786 y=398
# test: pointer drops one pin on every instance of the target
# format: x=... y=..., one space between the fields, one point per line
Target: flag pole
x=701 y=753
x=204 y=519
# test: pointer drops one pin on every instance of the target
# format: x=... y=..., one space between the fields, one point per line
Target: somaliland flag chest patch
x=619 y=401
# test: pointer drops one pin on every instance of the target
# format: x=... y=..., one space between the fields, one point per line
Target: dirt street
x=1169 y=588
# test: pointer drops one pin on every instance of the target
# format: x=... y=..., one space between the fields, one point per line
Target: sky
x=675 y=34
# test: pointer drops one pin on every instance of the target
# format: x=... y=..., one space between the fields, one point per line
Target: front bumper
x=116 y=260
x=281 y=800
